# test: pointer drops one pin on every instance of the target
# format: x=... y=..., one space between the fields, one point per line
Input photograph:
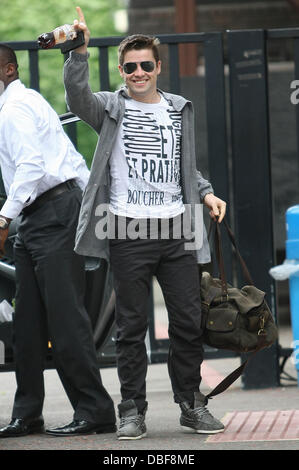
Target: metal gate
x=238 y=161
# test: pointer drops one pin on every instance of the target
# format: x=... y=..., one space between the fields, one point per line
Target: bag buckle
x=262 y=331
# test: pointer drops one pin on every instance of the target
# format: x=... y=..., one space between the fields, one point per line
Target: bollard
x=292 y=253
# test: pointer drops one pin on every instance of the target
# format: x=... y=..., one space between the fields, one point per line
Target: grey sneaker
x=132 y=425
x=198 y=417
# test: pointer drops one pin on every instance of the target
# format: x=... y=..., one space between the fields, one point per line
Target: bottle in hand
x=59 y=35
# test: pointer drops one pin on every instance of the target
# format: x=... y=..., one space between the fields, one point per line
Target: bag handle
x=245 y=270
x=219 y=255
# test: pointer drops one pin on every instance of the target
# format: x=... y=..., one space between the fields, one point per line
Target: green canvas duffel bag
x=237 y=319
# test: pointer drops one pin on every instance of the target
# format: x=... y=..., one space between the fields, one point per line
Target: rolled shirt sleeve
x=23 y=145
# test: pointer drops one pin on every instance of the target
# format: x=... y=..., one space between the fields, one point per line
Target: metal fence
x=239 y=161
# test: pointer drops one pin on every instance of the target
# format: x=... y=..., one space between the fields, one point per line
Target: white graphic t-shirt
x=145 y=162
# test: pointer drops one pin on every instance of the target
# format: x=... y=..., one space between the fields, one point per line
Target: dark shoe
x=198 y=418
x=132 y=424
x=21 y=427
x=78 y=428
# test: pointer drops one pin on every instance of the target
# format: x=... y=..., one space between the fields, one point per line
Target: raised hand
x=80 y=25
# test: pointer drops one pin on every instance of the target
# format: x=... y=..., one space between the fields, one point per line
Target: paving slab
x=265 y=419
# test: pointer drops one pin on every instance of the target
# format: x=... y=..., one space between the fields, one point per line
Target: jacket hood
x=177 y=101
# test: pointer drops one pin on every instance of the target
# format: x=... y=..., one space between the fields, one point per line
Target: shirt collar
x=10 y=90
x=177 y=101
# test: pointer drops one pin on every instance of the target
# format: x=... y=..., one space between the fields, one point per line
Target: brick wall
x=158 y=17
x=214 y=15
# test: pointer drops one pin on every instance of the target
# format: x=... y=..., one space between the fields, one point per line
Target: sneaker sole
x=131 y=438
x=201 y=431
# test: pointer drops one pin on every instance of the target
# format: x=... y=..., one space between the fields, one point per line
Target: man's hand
x=217 y=206
x=80 y=25
x=3 y=238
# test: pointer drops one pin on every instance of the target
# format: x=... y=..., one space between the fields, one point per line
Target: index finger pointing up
x=80 y=14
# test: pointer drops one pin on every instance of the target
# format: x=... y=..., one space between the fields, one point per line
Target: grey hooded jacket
x=103 y=111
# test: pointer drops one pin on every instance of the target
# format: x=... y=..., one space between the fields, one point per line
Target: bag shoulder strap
x=227 y=381
x=233 y=376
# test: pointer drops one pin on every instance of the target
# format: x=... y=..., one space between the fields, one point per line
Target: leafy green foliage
x=26 y=23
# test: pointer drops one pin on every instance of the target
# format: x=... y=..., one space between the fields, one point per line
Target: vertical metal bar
x=174 y=69
x=71 y=130
x=252 y=179
x=216 y=114
x=33 y=68
x=217 y=129
x=104 y=69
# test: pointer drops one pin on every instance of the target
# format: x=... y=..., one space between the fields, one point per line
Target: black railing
x=239 y=153
x=216 y=121
x=214 y=84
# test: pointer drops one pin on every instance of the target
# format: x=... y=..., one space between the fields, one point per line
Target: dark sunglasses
x=130 y=67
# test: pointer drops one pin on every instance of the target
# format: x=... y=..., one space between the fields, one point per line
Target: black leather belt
x=50 y=194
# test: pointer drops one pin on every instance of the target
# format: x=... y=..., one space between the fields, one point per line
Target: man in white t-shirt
x=144 y=168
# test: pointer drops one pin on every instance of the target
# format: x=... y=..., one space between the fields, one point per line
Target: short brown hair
x=138 y=42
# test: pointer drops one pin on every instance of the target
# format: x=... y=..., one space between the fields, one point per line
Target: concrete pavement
x=264 y=419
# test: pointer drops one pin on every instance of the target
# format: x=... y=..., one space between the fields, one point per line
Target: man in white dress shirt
x=44 y=176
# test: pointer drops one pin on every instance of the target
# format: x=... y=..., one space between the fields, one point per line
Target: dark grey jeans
x=133 y=263
x=50 y=306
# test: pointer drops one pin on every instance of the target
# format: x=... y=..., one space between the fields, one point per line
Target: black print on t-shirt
x=152 y=153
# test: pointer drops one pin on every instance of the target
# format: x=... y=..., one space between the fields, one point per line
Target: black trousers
x=133 y=263
x=50 y=306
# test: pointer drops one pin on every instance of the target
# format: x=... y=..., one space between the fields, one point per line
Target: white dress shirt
x=35 y=152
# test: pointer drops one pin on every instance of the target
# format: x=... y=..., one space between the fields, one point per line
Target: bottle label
x=64 y=33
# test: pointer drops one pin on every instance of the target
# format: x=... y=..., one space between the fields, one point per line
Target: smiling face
x=142 y=86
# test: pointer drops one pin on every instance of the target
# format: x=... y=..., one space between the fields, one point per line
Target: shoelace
x=200 y=411
x=137 y=419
